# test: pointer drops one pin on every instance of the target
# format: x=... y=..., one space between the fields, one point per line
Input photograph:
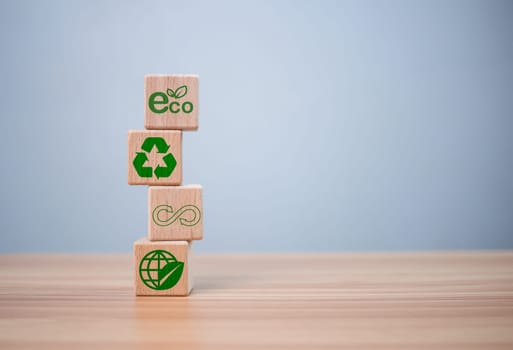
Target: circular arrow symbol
x=141 y=158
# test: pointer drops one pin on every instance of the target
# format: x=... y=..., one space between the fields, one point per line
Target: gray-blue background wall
x=324 y=125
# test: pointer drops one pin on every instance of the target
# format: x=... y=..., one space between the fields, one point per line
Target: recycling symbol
x=142 y=157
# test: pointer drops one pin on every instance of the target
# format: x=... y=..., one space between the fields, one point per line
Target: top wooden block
x=171 y=102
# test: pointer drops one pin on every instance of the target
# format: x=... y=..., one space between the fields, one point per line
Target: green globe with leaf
x=159 y=270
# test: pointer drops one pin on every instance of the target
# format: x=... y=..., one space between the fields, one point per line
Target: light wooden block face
x=162 y=268
x=154 y=157
x=175 y=213
x=171 y=102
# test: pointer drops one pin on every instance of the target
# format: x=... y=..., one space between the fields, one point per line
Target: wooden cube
x=175 y=213
x=154 y=157
x=171 y=102
x=162 y=268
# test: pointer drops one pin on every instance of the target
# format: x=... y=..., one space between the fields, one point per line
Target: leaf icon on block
x=171 y=93
x=170 y=274
x=181 y=91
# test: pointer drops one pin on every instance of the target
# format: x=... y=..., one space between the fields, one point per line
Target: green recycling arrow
x=138 y=162
x=159 y=142
x=141 y=158
x=170 y=161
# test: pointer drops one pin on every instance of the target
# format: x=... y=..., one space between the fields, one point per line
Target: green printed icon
x=179 y=93
x=159 y=270
x=158 y=101
x=141 y=158
x=187 y=215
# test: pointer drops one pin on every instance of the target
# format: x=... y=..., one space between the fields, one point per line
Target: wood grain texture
x=173 y=139
x=258 y=301
x=181 y=250
x=173 y=112
x=175 y=213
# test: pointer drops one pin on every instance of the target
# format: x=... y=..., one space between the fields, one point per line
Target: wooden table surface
x=263 y=301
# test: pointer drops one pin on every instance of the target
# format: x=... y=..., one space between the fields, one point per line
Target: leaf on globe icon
x=170 y=274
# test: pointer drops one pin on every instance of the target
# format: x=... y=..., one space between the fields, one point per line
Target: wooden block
x=154 y=157
x=171 y=102
x=175 y=213
x=162 y=268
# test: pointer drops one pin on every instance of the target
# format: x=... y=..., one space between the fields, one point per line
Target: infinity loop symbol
x=187 y=215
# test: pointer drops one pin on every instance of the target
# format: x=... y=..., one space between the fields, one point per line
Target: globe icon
x=157 y=266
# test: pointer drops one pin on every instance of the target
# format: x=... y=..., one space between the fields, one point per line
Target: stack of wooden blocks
x=175 y=213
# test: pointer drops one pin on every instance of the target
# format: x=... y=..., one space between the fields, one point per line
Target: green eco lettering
x=187 y=107
x=174 y=110
x=163 y=215
x=158 y=101
x=153 y=102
